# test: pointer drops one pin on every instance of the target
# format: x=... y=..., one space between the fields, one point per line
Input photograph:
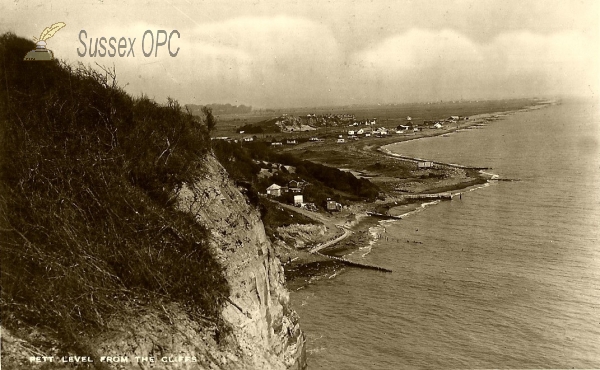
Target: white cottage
x=274 y=190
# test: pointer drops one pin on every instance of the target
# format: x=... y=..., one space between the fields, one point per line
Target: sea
x=506 y=276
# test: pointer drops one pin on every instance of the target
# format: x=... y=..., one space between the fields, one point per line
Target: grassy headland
x=88 y=227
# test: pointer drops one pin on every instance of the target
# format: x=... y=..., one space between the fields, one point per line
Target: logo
x=123 y=47
x=41 y=53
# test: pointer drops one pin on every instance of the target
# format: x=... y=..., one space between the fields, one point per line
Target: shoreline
x=362 y=233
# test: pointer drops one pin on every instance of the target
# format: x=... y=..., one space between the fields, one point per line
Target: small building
x=274 y=190
x=291 y=142
x=298 y=200
x=276 y=143
x=339 y=141
x=425 y=164
x=367 y=135
x=437 y=125
x=351 y=132
x=332 y=205
x=296 y=186
x=297 y=183
x=249 y=138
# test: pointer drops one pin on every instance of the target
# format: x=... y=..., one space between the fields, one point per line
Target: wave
x=492 y=176
x=375 y=232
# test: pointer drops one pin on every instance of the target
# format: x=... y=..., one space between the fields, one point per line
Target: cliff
x=101 y=258
x=264 y=325
x=265 y=333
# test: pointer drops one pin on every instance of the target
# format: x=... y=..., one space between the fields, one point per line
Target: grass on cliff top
x=88 y=227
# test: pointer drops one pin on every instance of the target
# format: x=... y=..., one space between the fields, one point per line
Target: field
x=362 y=157
x=387 y=115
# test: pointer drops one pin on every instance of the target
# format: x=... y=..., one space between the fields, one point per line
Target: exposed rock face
x=265 y=327
x=265 y=335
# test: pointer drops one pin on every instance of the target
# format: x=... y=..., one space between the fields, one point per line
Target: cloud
x=295 y=61
x=420 y=49
x=447 y=65
x=563 y=62
x=282 y=57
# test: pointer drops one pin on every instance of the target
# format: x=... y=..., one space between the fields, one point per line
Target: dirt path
x=319 y=247
x=312 y=215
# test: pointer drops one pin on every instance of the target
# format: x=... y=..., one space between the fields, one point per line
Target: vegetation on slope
x=88 y=174
x=326 y=180
x=316 y=173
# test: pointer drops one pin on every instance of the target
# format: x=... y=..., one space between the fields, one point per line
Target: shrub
x=88 y=175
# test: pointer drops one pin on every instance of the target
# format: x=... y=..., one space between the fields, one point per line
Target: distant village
x=333 y=128
x=363 y=128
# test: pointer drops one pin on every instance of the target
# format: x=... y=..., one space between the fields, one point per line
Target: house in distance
x=274 y=190
x=424 y=164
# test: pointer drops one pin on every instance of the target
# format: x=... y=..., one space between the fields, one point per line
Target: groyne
x=354 y=264
x=383 y=216
x=442 y=196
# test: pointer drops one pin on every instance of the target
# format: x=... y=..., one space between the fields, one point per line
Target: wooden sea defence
x=355 y=264
x=444 y=196
x=385 y=217
x=413 y=159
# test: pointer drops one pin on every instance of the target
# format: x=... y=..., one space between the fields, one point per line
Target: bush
x=88 y=175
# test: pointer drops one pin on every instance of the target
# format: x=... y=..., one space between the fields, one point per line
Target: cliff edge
x=265 y=333
x=124 y=243
x=264 y=325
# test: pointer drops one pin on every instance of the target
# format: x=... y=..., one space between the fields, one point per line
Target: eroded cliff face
x=265 y=331
x=264 y=326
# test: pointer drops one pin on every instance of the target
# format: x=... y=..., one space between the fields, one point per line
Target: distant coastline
x=363 y=230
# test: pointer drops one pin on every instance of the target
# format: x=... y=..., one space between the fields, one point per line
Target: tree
x=211 y=121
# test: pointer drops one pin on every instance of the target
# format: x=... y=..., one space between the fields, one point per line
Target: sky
x=302 y=53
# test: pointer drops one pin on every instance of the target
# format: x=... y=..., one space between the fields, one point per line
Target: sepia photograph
x=291 y=185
